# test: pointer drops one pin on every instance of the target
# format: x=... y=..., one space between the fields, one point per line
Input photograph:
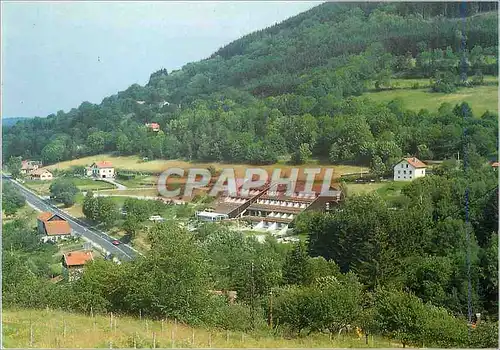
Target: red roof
x=153 y=125
x=45 y=216
x=57 y=228
x=103 y=164
x=415 y=162
x=77 y=258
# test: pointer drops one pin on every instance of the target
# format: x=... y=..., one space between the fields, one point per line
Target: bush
x=125 y=176
x=485 y=335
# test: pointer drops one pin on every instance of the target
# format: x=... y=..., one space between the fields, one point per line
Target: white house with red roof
x=153 y=126
x=102 y=170
x=408 y=169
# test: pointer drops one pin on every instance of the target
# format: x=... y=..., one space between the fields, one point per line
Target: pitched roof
x=415 y=162
x=495 y=164
x=45 y=216
x=58 y=227
x=29 y=164
x=103 y=164
x=40 y=171
x=77 y=258
x=153 y=125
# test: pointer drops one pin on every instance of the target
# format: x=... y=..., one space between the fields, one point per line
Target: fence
x=49 y=329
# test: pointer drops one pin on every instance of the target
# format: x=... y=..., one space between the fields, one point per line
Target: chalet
x=52 y=227
x=73 y=263
x=408 y=169
x=153 y=126
x=102 y=170
x=29 y=165
x=40 y=174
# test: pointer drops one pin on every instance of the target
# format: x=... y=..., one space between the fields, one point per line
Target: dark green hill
x=277 y=90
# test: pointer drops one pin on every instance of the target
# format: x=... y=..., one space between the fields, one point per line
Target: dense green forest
x=394 y=268
x=295 y=89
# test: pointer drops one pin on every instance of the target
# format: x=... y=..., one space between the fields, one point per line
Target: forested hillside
x=297 y=86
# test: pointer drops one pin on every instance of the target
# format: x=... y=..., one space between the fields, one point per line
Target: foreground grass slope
x=56 y=329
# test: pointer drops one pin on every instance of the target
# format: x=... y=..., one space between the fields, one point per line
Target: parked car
x=116 y=242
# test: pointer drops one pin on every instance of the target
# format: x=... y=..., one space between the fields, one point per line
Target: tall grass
x=57 y=329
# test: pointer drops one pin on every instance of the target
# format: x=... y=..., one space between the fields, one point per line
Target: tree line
x=252 y=99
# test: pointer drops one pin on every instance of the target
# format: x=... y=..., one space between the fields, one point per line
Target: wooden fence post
x=31 y=334
x=192 y=337
x=111 y=321
x=154 y=340
x=64 y=328
x=210 y=340
x=172 y=340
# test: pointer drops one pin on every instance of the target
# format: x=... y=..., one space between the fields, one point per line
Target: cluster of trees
x=64 y=191
x=395 y=269
x=267 y=94
x=101 y=210
x=12 y=200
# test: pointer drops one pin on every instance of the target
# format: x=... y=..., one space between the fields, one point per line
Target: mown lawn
x=480 y=98
x=57 y=329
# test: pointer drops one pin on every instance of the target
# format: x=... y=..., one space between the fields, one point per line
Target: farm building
x=53 y=227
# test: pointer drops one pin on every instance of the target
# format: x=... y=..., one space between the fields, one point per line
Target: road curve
x=123 y=252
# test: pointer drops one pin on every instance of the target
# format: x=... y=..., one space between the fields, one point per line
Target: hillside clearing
x=480 y=98
x=56 y=329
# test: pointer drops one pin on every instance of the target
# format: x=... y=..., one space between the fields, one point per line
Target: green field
x=480 y=98
x=56 y=329
x=388 y=190
x=43 y=187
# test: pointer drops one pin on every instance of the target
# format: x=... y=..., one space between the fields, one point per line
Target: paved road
x=123 y=252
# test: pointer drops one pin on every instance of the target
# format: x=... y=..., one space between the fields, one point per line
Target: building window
x=404 y=171
x=407 y=165
x=399 y=177
x=410 y=177
x=404 y=177
x=410 y=171
x=399 y=171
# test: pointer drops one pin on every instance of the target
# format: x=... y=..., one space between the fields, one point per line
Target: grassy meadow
x=135 y=164
x=480 y=98
x=57 y=329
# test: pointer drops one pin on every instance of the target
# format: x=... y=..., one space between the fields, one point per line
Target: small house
x=102 y=170
x=53 y=227
x=153 y=126
x=28 y=166
x=408 y=169
x=495 y=165
x=73 y=263
x=41 y=174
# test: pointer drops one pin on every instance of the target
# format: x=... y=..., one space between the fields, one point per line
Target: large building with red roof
x=101 y=170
